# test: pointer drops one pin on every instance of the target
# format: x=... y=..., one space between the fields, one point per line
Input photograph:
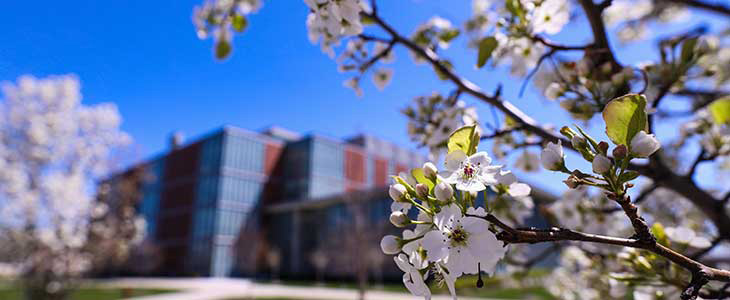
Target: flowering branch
x=533 y=235
x=718 y=8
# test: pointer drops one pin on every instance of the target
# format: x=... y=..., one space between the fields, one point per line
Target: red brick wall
x=381 y=172
x=272 y=154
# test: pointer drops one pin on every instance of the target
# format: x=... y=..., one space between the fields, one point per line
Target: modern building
x=237 y=202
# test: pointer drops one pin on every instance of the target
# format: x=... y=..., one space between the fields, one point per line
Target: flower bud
x=644 y=145
x=554 y=91
x=390 y=244
x=422 y=190
x=552 y=157
x=578 y=142
x=429 y=170
x=620 y=152
x=603 y=147
x=567 y=132
x=397 y=192
x=399 y=219
x=443 y=191
x=601 y=164
x=572 y=182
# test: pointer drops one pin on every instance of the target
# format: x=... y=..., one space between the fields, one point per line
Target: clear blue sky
x=145 y=57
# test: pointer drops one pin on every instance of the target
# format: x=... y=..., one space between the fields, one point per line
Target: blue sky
x=145 y=57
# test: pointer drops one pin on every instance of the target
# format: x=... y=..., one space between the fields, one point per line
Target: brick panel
x=272 y=154
x=354 y=166
x=381 y=172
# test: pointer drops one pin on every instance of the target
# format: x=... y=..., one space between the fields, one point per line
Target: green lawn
x=9 y=293
x=465 y=286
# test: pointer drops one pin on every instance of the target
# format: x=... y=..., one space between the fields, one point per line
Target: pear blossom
x=398 y=219
x=554 y=90
x=601 y=164
x=398 y=193
x=413 y=248
x=412 y=279
x=382 y=77
x=443 y=191
x=552 y=156
x=508 y=181
x=643 y=144
x=551 y=16
x=390 y=244
x=463 y=244
x=528 y=162
x=685 y=235
x=430 y=170
x=469 y=173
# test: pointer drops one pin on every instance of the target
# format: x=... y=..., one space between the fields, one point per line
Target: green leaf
x=515 y=7
x=366 y=20
x=464 y=139
x=688 y=49
x=448 y=35
x=628 y=176
x=589 y=138
x=421 y=178
x=720 y=110
x=222 y=49
x=625 y=117
x=446 y=64
x=239 y=23
x=486 y=47
x=658 y=230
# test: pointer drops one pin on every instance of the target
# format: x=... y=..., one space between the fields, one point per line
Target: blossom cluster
x=329 y=20
x=433 y=118
x=449 y=235
x=52 y=152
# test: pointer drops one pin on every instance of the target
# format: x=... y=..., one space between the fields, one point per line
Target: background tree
x=53 y=152
x=686 y=86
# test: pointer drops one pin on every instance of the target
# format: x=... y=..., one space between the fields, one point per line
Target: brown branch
x=531 y=236
x=558 y=47
x=366 y=65
x=498 y=133
x=600 y=37
x=643 y=195
x=656 y=171
x=718 y=8
x=643 y=233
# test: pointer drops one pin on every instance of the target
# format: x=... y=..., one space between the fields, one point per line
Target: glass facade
x=236 y=172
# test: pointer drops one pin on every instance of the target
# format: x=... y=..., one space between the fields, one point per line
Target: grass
x=89 y=293
x=465 y=286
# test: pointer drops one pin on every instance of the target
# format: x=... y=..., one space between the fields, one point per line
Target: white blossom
x=412 y=279
x=443 y=191
x=398 y=219
x=430 y=170
x=382 y=77
x=462 y=244
x=601 y=164
x=643 y=144
x=390 y=244
x=551 y=16
x=469 y=173
x=552 y=156
x=687 y=236
x=508 y=181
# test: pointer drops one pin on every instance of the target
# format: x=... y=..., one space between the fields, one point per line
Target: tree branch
x=643 y=195
x=531 y=236
x=718 y=8
x=656 y=171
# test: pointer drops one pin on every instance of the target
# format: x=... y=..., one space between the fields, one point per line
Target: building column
x=295 y=242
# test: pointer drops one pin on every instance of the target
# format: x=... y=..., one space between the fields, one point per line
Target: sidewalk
x=228 y=289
